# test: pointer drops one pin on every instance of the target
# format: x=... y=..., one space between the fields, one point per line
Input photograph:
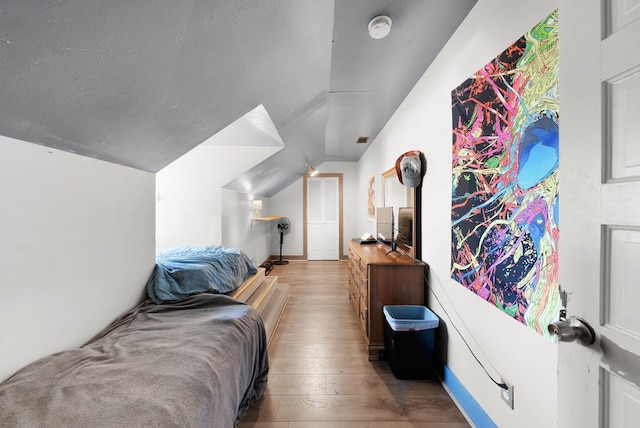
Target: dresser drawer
x=362 y=266
x=354 y=293
x=363 y=317
x=363 y=289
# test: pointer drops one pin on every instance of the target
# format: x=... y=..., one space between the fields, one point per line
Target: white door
x=599 y=385
x=322 y=218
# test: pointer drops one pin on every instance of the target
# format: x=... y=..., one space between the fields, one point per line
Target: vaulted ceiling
x=140 y=83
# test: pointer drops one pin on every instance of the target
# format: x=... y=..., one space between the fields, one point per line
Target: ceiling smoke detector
x=379 y=27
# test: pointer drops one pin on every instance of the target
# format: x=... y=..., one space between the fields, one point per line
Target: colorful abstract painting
x=504 y=201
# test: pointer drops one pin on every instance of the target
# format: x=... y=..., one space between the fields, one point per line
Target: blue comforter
x=184 y=271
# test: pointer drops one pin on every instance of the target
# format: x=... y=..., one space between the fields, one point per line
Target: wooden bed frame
x=267 y=296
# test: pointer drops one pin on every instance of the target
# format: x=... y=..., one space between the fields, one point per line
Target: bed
x=196 y=361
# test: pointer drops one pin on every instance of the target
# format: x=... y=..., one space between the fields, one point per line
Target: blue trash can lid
x=410 y=317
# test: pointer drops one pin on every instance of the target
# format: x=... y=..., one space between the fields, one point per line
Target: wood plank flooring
x=319 y=374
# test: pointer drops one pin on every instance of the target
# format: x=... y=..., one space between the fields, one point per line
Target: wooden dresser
x=377 y=279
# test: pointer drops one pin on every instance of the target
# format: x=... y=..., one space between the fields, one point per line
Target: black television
x=385 y=226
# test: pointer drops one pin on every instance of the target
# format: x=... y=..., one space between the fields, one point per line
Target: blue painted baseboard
x=469 y=405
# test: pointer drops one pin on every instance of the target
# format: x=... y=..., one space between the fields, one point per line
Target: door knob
x=572 y=328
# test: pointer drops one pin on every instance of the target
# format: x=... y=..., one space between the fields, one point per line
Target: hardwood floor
x=319 y=373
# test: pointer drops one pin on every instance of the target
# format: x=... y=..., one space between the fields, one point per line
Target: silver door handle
x=572 y=328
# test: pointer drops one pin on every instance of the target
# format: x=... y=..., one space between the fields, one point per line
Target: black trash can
x=409 y=340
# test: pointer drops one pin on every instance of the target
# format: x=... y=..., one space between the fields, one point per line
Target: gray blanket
x=199 y=362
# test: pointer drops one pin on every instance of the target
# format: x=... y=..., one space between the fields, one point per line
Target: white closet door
x=322 y=218
x=599 y=385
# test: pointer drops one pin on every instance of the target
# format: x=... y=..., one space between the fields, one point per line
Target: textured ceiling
x=142 y=82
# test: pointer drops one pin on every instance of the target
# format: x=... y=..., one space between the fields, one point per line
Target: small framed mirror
x=406 y=212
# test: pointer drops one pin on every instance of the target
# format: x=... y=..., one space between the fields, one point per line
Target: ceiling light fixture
x=379 y=27
x=312 y=170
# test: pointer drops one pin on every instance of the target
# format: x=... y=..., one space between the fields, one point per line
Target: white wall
x=423 y=122
x=239 y=231
x=192 y=208
x=189 y=192
x=77 y=248
x=350 y=205
x=289 y=203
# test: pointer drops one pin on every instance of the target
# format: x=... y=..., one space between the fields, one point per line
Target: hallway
x=319 y=373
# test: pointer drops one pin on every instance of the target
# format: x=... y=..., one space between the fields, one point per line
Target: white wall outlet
x=507 y=393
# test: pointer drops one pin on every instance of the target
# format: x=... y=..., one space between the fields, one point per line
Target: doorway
x=599 y=385
x=322 y=212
